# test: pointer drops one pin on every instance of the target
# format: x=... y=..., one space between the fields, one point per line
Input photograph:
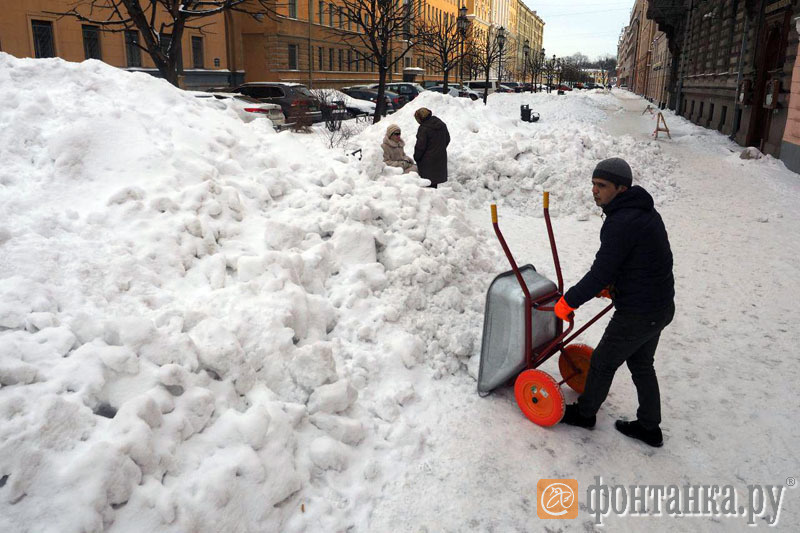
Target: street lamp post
x=462 y=23
x=540 y=66
x=526 y=49
x=501 y=42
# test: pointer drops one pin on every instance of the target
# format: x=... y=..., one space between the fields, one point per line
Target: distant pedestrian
x=430 y=152
x=394 y=154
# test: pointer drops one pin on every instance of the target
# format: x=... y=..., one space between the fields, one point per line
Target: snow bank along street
x=209 y=326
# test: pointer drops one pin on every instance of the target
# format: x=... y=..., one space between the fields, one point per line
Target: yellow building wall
x=16 y=35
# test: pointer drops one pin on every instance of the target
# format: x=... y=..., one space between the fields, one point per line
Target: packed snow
x=206 y=325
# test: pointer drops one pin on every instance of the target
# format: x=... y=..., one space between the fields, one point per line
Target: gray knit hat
x=615 y=170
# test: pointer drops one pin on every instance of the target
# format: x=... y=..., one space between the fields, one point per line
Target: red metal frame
x=535 y=356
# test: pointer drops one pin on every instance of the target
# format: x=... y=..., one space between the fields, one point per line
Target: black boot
x=635 y=430
x=573 y=418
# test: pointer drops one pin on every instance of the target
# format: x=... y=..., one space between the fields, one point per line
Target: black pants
x=629 y=338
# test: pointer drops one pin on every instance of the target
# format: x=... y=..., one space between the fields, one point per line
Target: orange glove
x=605 y=293
x=564 y=311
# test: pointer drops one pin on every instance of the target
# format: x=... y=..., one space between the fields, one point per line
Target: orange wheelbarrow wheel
x=573 y=363
x=539 y=397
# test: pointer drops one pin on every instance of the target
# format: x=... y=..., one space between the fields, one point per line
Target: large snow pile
x=209 y=326
x=205 y=325
x=495 y=157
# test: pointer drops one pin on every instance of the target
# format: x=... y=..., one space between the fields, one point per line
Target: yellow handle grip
x=546 y=200
x=494 y=213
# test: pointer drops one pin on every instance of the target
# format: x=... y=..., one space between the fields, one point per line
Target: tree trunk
x=486 y=88
x=168 y=70
x=446 y=73
x=380 y=105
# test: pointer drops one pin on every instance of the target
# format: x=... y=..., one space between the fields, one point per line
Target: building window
x=132 y=49
x=357 y=60
x=320 y=51
x=293 y=9
x=91 y=42
x=166 y=42
x=330 y=58
x=349 y=59
x=43 y=38
x=349 y=20
x=332 y=10
x=320 y=15
x=341 y=18
x=292 y=57
x=341 y=59
x=197 y=52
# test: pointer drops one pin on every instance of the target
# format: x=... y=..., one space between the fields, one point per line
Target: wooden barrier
x=659 y=121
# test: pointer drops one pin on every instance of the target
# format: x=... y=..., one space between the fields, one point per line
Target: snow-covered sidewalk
x=208 y=326
x=726 y=365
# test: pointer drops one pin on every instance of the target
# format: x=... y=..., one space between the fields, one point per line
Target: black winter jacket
x=430 y=152
x=634 y=257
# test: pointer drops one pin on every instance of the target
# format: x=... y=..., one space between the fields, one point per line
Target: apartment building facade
x=733 y=67
x=33 y=28
x=306 y=42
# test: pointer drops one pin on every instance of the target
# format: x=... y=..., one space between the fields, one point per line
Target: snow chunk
x=332 y=398
x=328 y=454
x=344 y=429
x=354 y=245
x=313 y=365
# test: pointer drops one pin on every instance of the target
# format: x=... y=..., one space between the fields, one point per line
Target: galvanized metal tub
x=503 y=344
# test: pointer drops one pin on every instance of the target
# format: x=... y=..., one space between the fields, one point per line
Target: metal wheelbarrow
x=521 y=332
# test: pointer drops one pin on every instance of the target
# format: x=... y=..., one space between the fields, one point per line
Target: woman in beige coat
x=393 y=153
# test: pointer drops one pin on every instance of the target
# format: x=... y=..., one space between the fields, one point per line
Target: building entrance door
x=770 y=70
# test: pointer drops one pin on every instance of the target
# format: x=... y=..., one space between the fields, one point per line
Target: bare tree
x=160 y=22
x=441 y=44
x=471 y=66
x=485 y=53
x=536 y=65
x=607 y=64
x=385 y=30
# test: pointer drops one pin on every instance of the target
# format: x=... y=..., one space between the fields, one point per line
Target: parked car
x=294 y=98
x=406 y=89
x=247 y=108
x=354 y=107
x=361 y=92
x=397 y=100
x=503 y=88
x=479 y=85
x=563 y=87
x=514 y=85
x=456 y=90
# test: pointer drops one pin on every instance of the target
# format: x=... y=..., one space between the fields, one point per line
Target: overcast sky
x=591 y=27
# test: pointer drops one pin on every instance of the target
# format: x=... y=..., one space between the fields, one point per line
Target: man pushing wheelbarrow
x=634 y=267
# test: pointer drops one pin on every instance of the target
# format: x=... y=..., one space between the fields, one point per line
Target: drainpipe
x=310 y=54
x=684 y=60
x=736 y=119
x=230 y=51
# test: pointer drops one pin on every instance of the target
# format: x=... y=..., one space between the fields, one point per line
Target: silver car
x=247 y=108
